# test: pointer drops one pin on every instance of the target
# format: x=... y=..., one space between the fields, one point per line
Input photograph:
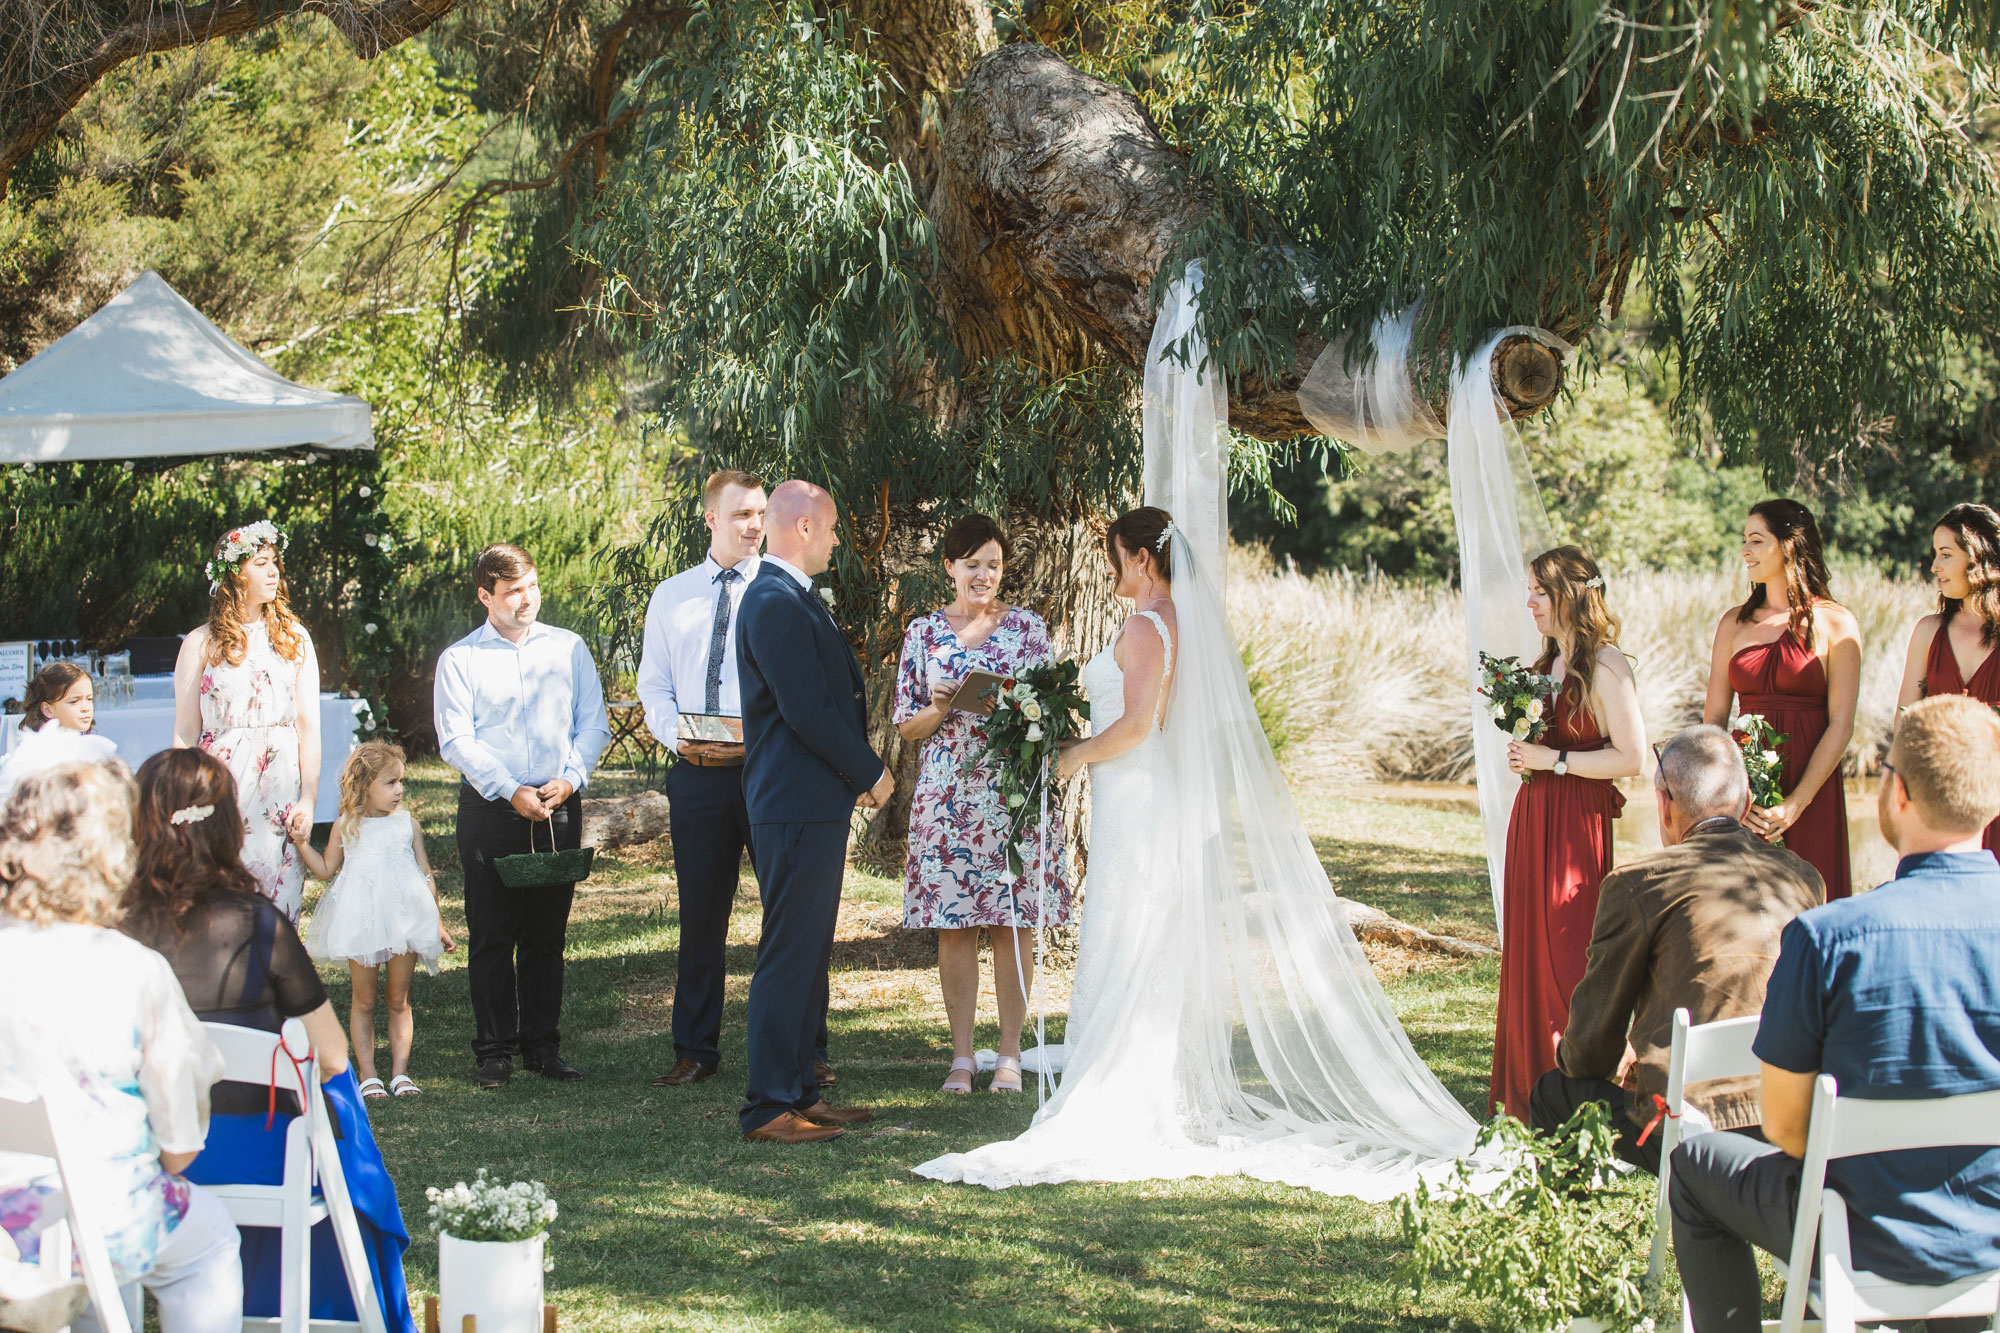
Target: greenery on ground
x=670 y=1221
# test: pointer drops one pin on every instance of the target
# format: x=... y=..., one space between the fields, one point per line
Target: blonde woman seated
x=95 y=1021
x=955 y=874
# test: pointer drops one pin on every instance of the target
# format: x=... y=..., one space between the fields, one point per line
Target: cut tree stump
x=623 y=821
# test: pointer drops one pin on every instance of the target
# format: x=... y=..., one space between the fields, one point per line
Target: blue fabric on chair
x=241 y=1151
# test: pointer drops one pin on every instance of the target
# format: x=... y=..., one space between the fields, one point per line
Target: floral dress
x=249 y=720
x=955 y=873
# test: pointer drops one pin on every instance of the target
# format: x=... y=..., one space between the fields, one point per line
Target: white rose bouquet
x=484 y=1210
x=1517 y=698
x=1033 y=713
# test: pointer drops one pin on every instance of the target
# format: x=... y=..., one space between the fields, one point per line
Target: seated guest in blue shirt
x=520 y=715
x=1896 y=993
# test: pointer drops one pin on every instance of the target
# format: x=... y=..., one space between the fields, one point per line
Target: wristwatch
x=1562 y=762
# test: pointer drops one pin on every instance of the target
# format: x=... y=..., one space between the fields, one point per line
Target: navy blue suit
x=806 y=758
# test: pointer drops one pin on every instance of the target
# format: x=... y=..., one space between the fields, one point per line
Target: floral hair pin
x=239 y=544
x=1594 y=581
x=191 y=814
x=1166 y=534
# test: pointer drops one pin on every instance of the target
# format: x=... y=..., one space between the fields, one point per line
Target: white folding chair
x=287 y=1062
x=30 y=1127
x=1852 y=1127
x=1700 y=1052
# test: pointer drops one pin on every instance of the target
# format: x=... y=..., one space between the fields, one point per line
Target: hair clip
x=191 y=814
x=1594 y=581
x=1165 y=534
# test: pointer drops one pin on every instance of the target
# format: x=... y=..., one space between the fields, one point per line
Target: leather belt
x=709 y=761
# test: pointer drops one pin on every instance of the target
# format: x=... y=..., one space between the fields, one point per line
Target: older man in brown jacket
x=1693 y=926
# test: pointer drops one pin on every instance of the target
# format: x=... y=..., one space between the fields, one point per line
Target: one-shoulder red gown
x=1558 y=851
x=1786 y=682
x=1941 y=676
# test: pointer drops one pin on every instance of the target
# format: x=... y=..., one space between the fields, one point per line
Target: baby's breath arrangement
x=484 y=1210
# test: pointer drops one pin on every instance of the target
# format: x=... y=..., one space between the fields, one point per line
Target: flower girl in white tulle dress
x=382 y=907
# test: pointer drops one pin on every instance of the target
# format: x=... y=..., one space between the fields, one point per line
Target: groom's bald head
x=798 y=526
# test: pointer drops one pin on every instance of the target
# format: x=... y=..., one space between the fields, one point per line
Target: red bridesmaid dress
x=1786 y=682
x=1941 y=676
x=1558 y=852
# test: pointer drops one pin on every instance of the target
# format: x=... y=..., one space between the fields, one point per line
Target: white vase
x=497 y=1281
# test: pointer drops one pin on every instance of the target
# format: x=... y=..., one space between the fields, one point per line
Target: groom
x=806 y=765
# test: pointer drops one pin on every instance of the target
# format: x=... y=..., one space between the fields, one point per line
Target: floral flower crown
x=240 y=545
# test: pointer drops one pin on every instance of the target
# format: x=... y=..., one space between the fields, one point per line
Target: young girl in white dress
x=382 y=907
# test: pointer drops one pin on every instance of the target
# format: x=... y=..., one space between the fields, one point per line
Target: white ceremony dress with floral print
x=249 y=716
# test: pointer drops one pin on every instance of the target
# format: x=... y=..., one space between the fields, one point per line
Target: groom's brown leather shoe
x=822 y=1114
x=791 y=1127
x=684 y=1072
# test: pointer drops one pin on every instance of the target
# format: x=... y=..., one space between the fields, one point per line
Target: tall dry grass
x=1361 y=677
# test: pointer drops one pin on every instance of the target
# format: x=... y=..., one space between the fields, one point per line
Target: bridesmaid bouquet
x=1517 y=697
x=1033 y=713
x=1759 y=742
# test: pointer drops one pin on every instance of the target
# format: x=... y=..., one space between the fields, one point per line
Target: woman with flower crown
x=246 y=690
x=1559 y=838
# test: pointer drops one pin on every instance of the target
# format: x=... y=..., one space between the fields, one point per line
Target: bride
x=1223 y=1020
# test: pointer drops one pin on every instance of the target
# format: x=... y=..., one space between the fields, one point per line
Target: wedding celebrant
x=520 y=715
x=806 y=765
x=688 y=669
x=246 y=689
x=955 y=876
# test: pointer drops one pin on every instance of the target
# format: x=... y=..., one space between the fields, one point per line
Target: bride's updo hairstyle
x=1139 y=530
x=1576 y=592
x=227 y=641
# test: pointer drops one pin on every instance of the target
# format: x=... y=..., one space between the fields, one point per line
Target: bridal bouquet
x=1033 y=713
x=1516 y=697
x=1759 y=742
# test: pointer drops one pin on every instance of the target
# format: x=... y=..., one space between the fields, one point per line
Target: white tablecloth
x=145 y=727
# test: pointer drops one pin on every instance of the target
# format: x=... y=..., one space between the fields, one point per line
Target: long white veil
x=1245 y=1032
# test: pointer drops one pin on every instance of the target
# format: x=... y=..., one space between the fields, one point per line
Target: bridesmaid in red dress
x=1559 y=839
x=1793 y=654
x=1952 y=652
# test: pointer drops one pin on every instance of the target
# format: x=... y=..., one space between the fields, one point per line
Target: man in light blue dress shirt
x=520 y=715
x=689 y=666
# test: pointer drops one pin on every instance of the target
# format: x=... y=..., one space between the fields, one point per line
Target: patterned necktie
x=718 y=640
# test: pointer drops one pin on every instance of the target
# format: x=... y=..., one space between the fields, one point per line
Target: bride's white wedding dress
x=1223 y=1021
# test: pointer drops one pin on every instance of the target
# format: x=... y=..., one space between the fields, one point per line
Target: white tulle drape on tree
x=1371 y=403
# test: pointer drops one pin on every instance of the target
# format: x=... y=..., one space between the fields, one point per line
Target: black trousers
x=711 y=832
x=1730 y=1191
x=799 y=870
x=514 y=955
x=1556 y=1097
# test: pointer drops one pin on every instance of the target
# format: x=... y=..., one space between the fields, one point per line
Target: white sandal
x=1008 y=1067
x=372 y=1088
x=403 y=1085
x=961 y=1065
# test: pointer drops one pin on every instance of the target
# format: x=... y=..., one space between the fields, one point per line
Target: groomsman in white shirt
x=520 y=715
x=688 y=665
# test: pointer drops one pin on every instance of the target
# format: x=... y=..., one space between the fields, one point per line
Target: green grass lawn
x=670 y=1221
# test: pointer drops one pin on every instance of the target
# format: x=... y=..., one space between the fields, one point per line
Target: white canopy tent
x=148 y=376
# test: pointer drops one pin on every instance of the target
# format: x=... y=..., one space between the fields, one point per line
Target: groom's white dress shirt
x=680 y=628
x=520 y=715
